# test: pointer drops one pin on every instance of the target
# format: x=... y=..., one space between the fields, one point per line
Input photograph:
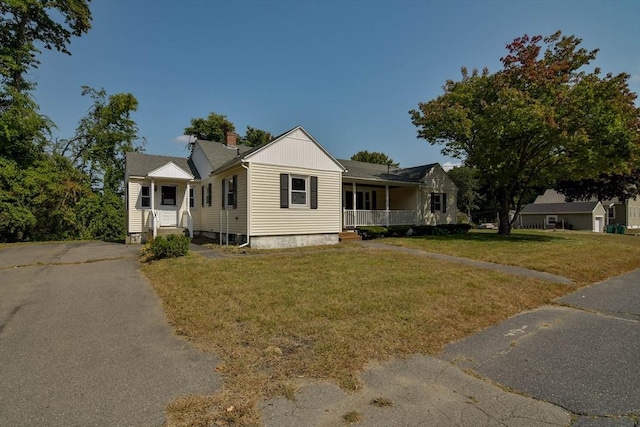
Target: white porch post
x=386 y=194
x=353 y=196
x=154 y=226
x=187 y=196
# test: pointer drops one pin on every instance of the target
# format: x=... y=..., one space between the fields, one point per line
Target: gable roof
x=374 y=171
x=251 y=151
x=140 y=164
x=559 y=208
x=218 y=154
x=552 y=196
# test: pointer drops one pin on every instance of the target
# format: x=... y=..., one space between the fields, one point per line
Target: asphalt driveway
x=583 y=356
x=84 y=340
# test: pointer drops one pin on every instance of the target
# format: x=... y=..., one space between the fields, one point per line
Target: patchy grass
x=583 y=257
x=278 y=319
x=352 y=417
x=381 y=402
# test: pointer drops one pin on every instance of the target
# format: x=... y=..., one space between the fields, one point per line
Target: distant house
x=290 y=192
x=550 y=210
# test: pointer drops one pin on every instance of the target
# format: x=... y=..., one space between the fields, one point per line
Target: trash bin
x=611 y=228
x=621 y=229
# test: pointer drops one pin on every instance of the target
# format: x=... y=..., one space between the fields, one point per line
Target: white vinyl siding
x=210 y=215
x=138 y=217
x=295 y=150
x=269 y=219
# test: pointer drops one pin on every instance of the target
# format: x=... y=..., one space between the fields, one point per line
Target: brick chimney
x=231 y=139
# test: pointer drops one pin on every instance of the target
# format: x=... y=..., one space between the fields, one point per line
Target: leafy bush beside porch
x=369 y=233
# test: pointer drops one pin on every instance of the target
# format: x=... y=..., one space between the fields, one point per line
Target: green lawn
x=279 y=319
x=584 y=257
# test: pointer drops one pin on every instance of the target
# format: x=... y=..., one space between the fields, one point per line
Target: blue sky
x=347 y=71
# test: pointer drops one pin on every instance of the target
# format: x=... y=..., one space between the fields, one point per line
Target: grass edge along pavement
x=280 y=320
x=585 y=258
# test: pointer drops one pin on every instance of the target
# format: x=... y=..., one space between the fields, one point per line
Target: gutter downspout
x=246 y=167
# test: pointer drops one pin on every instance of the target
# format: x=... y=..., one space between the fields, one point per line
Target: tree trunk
x=504 y=227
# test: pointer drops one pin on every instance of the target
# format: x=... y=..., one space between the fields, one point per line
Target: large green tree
x=211 y=128
x=24 y=132
x=374 y=157
x=468 y=183
x=604 y=187
x=542 y=118
x=27 y=24
x=256 y=137
x=103 y=137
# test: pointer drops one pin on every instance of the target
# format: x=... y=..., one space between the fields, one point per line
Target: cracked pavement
x=582 y=355
x=575 y=363
x=84 y=340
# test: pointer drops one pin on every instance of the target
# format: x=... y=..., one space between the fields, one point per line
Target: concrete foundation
x=137 y=238
x=294 y=241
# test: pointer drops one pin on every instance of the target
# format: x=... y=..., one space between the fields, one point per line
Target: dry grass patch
x=583 y=257
x=274 y=319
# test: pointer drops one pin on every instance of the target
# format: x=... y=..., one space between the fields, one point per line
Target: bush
x=397 y=230
x=368 y=233
x=456 y=228
x=172 y=247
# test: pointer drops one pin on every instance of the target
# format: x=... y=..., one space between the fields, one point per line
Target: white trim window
x=230 y=192
x=298 y=191
x=299 y=186
x=192 y=198
x=612 y=212
x=551 y=219
x=145 y=196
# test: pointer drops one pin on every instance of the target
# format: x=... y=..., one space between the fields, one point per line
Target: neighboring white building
x=290 y=192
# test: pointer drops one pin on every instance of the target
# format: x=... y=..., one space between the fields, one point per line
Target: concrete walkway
x=84 y=340
x=516 y=271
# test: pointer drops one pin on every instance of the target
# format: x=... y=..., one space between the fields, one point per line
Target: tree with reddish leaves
x=541 y=119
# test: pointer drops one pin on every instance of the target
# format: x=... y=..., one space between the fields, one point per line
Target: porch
x=357 y=218
x=367 y=203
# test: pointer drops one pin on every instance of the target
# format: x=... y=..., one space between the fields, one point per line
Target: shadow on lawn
x=494 y=237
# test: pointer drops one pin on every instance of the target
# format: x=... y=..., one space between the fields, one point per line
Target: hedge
x=368 y=233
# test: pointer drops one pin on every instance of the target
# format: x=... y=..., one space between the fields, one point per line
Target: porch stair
x=350 y=235
x=165 y=231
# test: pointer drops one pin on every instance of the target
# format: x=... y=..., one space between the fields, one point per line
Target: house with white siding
x=290 y=192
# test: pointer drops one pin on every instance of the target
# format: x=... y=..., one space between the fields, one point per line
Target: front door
x=598 y=224
x=168 y=206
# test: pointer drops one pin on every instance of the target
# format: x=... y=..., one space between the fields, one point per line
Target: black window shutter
x=284 y=190
x=202 y=188
x=235 y=191
x=444 y=202
x=314 y=192
x=433 y=202
x=209 y=195
x=223 y=192
x=374 y=200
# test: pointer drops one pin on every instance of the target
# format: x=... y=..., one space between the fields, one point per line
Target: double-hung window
x=145 y=197
x=230 y=192
x=192 y=198
x=298 y=191
x=438 y=202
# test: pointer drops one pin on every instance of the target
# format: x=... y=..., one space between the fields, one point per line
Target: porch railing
x=356 y=218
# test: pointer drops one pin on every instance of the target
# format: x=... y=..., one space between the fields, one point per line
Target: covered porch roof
x=158 y=167
x=369 y=173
